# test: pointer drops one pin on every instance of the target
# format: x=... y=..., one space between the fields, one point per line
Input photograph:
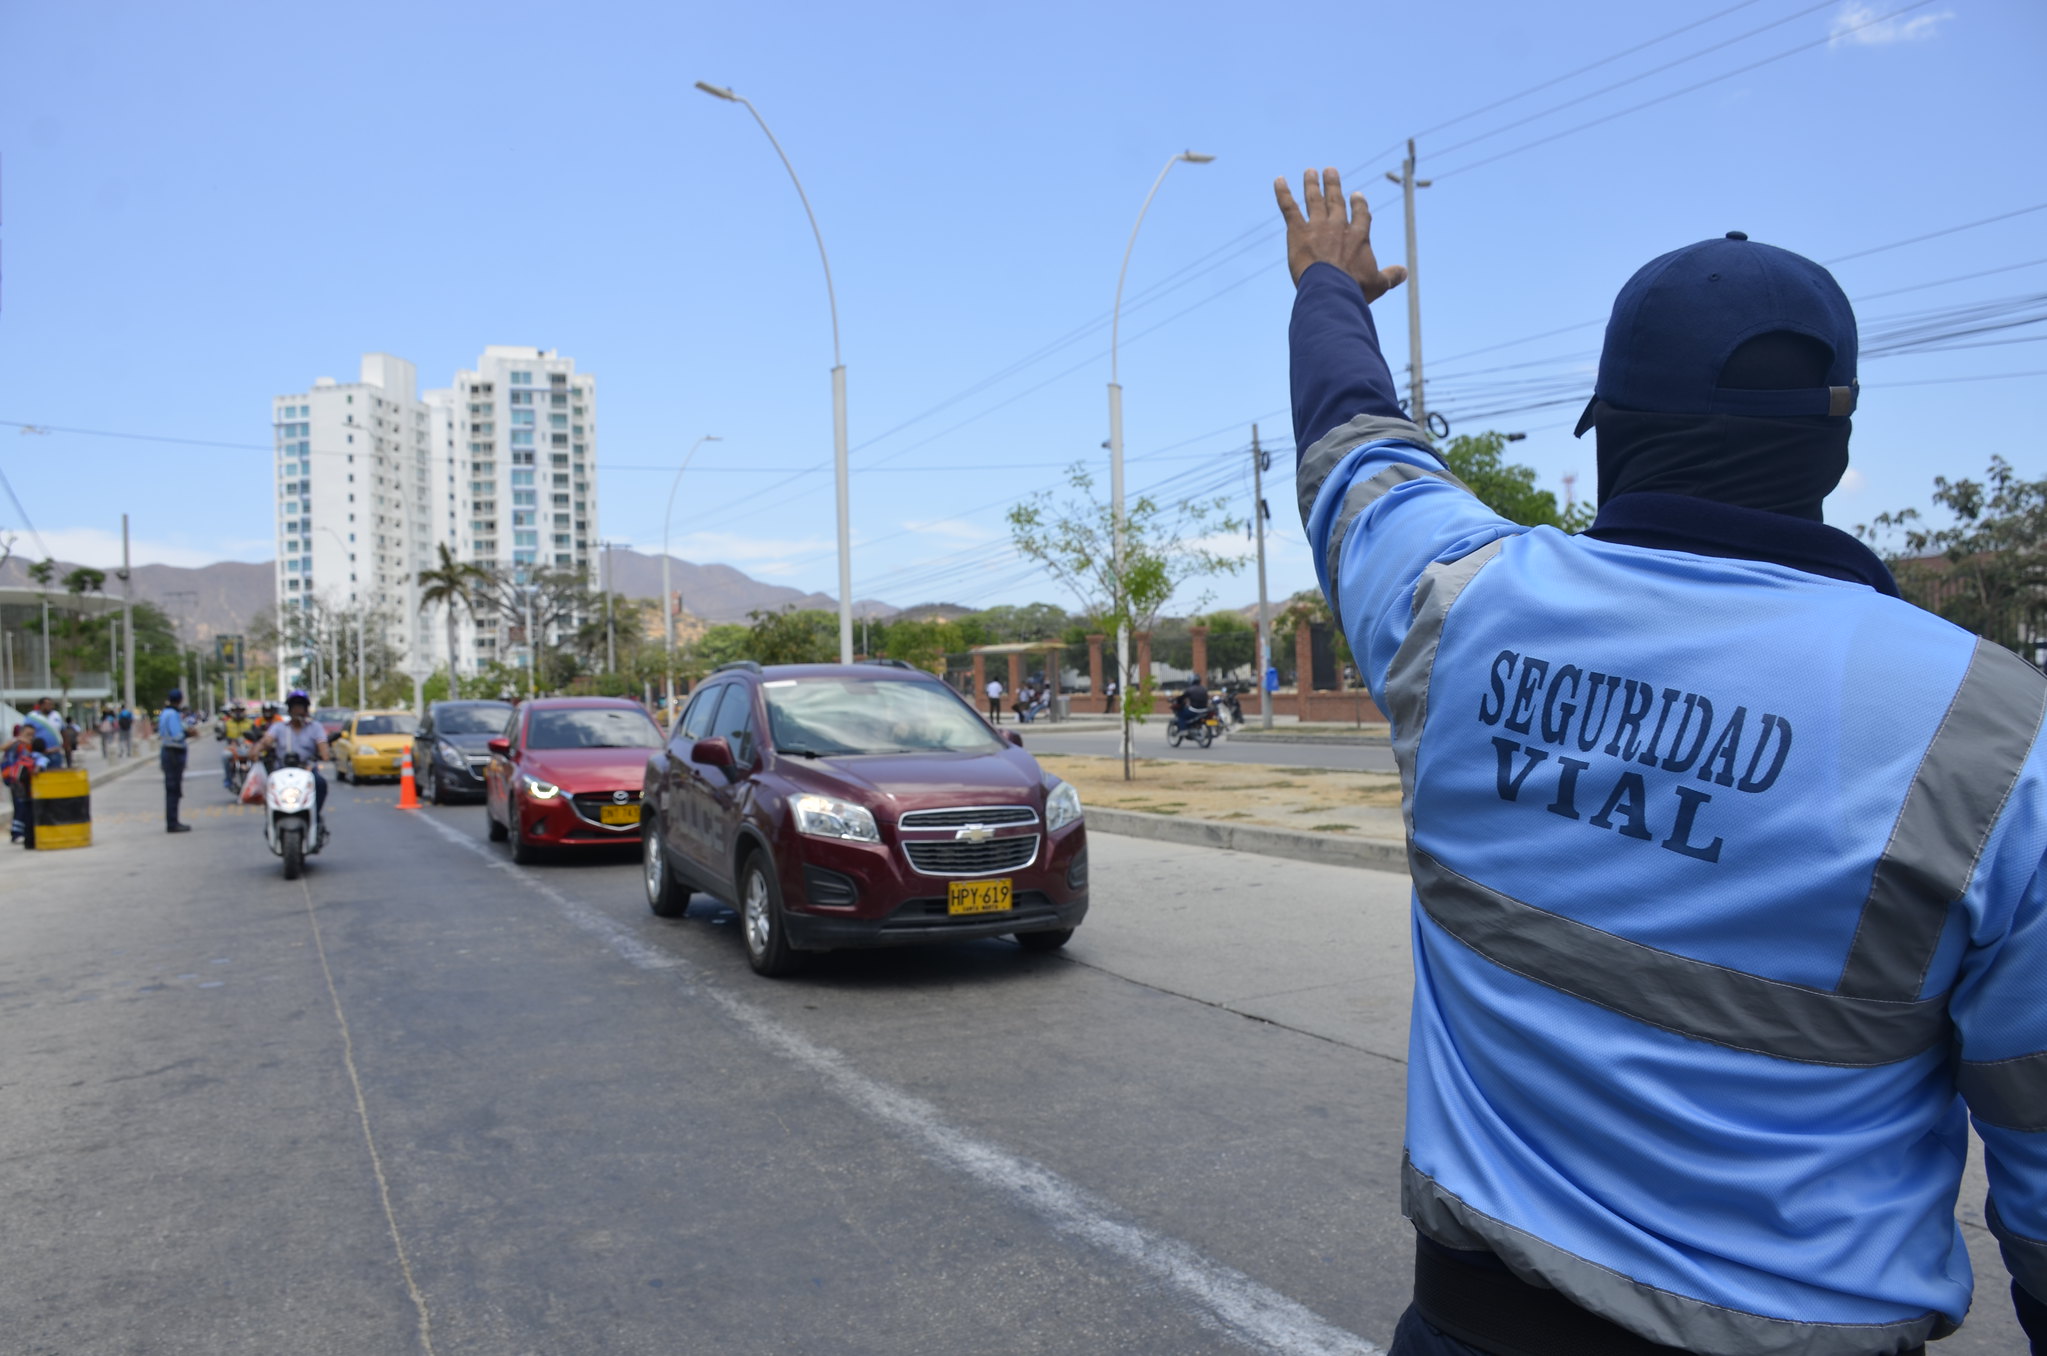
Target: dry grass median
x=1323 y=800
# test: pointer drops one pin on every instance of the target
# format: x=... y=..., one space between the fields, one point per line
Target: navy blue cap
x=1680 y=318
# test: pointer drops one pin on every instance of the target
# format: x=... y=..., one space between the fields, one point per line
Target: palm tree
x=451 y=584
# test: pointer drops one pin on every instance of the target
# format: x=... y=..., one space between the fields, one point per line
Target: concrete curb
x=1292 y=844
x=1368 y=736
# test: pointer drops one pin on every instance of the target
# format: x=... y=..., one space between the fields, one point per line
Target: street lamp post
x=362 y=702
x=1116 y=446
x=838 y=381
x=667 y=589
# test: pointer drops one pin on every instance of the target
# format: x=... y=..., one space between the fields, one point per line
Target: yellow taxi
x=372 y=744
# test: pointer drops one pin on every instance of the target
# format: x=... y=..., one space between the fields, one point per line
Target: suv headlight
x=451 y=755
x=823 y=817
x=538 y=789
x=1062 y=806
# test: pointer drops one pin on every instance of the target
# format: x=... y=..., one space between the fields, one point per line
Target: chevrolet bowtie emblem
x=974 y=833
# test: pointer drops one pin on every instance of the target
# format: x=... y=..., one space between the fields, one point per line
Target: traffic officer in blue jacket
x=1729 y=909
x=171 y=738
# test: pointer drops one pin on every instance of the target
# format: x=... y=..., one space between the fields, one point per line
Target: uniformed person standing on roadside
x=170 y=734
x=1729 y=901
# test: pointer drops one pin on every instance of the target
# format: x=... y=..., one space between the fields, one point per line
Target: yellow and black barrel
x=60 y=809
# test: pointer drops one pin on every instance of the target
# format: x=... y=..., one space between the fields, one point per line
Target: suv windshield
x=592 y=728
x=385 y=725
x=834 y=716
x=483 y=719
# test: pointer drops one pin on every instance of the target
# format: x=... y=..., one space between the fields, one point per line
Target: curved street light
x=667 y=590
x=838 y=379
x=1116 y=443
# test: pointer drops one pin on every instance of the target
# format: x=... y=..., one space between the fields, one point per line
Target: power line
x=15 y=500
x=1934 y=235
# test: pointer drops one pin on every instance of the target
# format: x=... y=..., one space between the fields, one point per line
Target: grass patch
x=1332 y=828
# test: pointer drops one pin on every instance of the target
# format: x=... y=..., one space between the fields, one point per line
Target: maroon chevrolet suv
x=857 y=805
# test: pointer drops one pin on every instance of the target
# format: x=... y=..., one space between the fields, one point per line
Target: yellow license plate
x=978 y=896
x=618 y=814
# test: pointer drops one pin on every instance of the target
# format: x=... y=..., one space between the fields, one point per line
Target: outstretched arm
x=1338 y=371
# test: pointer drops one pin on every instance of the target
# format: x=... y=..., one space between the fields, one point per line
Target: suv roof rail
x=888 y=663
x=749 y=665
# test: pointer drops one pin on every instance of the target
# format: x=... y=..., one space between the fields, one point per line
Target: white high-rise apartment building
x=500 y=468
x=521 y=434
x=353 y=480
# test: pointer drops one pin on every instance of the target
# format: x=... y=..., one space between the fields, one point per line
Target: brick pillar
x=1015 y=677
x=1304 y=662
x=1094 y=669
x=1143 y=661
x=1199 y=635
x=978 y=695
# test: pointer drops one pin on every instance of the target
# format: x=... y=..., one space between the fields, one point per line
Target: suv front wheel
x=666 y=896
x=760 y=920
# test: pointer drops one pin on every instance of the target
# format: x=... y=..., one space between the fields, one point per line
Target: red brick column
x=979 y=694
x=1304 y=663
x=1199 y=634
x=1094 y=669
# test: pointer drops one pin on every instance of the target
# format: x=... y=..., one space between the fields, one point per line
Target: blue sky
x=208 y=205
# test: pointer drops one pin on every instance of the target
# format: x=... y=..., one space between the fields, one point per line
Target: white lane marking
x=1252 y=1312
x=362 y=1113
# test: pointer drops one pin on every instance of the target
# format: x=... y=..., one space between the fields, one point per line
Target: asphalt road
x=1149 y=739
x=427 y=1101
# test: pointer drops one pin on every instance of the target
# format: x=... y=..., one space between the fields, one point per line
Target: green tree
x=451 y=584
x=790 y=636
x=1163 y=550
x=1033 y=621
x=1987 y=570
x=1508 y=488
x=720 y=644
x=922 y=643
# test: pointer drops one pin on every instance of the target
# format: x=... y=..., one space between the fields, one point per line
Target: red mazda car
x=566 y=773
x=858 y=805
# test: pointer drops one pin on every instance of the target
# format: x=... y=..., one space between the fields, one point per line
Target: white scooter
x=291 y=818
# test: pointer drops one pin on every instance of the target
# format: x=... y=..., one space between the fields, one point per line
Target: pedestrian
x=1694 y=998
x=1112 y=695
x=70 y=734
x=108 y=730
x=125 y=722
x=19 y=762
x=170 y=756
x=49 y=726
x=995 y=701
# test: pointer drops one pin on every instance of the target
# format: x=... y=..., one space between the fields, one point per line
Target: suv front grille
x=941 y=858
x=973 y=814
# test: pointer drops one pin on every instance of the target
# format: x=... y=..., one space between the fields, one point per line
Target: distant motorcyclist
x=1191 y=707
x=298 y=733
x=234 y=733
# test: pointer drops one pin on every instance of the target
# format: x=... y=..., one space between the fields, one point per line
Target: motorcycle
x=242 y=756
x=291 y=817
x=1202 y=732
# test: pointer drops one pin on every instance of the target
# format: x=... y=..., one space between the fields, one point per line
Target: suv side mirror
x=1014 y=737
x=713 y=752
x=500 y=747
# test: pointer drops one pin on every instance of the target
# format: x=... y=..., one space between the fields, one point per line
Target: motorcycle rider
x=1190 y=708
x=234 y=733
x=299 y=733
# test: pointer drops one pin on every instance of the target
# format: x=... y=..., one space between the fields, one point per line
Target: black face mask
x=1786 y=466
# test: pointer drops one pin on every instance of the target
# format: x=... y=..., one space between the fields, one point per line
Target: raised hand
x=1326 y=234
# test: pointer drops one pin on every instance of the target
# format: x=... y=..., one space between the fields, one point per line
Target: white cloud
x=1857 y=23
x=1852 y=482
x=101 y=549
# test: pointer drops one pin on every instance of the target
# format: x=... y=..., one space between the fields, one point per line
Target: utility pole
x=1417 y=410
x=1258 y=516
x=127 y=624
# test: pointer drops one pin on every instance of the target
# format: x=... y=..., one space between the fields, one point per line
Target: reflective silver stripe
x=1321 y=458
x=1407 y=677
x=1692 y=998
x=1361 y=496
x=1955 y=798
x=2025 y=1258
x=1658 y=1315
x=2008 y=1093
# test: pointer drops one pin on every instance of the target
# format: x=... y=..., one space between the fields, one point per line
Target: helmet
x=297 y=694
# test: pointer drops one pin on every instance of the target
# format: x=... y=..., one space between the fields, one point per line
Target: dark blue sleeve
x=1338 y=371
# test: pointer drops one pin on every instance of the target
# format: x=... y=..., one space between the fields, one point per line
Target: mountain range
x=224 y=597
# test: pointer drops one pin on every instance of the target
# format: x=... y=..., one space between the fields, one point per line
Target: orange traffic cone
x=408 y=796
